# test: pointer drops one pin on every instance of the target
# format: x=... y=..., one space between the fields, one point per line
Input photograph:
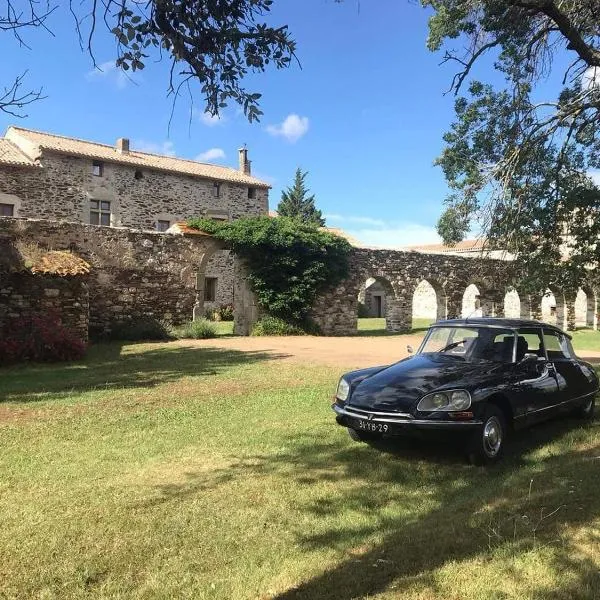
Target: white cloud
x=108 y=71
x=165 y=148
x=292 y=128
x=212 y=154
x=211 y=120
x=384 y=234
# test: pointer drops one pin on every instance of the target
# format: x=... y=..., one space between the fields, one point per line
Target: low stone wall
x=135 y=274
x=23 y=295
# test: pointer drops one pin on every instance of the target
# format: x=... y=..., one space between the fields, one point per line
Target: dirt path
x=350 y=352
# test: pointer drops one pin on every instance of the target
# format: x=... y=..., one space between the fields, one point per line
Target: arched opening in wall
x=428 y=304
x=512 y=304
x=376 y=299
x=585 y=308
x=471 y=303
x=553 y=308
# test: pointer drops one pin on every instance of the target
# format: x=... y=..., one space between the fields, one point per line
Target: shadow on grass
x=529 y=501
x=106 y=367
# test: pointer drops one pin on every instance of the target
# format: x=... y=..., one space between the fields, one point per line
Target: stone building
x=56 y=178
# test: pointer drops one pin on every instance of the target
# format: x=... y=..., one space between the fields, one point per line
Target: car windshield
x=471 y=344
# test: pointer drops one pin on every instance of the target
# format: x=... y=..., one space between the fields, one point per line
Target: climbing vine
x=289 y=262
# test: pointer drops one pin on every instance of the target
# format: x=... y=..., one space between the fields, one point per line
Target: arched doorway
x=428 y=304
x=512 y=304
x=378 y=308
x=553 y=308
x=585 y=308
x=471 y=303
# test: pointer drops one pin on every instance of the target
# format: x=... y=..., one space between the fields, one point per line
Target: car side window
x=529 y=341
x=556 y=345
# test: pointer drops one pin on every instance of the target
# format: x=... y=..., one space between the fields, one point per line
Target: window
x=100 y=212
x=210 y=289
x=7 y=210
x=138 y=174
x=529 y=341
x=556 y=345
x=162 y=225
x=98 y=168
x=216 y=190
x=251 y=193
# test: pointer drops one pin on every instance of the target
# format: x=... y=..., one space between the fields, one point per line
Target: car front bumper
x=387 y=423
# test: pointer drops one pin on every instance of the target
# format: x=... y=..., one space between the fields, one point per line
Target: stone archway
x=553 y=308
x=428 y=303
x=585 y=308
x=471 y=302
x=513 y=305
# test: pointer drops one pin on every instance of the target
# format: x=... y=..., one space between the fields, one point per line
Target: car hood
x=400 y=386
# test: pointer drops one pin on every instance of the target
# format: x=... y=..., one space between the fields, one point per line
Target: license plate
x=372 y=427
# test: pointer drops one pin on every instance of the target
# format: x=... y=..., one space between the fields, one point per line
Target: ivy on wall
x=289 y=262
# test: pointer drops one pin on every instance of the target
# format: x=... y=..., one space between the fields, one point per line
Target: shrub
x=144 y=328
x=197 y=330
x=275 y=326
x=41 y=339
x=289 y=262
x=221 y=313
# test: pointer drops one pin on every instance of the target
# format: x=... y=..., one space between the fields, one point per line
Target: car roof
x=498 y=322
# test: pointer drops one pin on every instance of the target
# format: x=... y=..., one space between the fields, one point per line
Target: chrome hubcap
x=492 y=436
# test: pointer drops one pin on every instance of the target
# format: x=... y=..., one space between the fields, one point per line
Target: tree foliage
x=520 y=159
x=297 y=204
x=213 y=42
x=289 y=262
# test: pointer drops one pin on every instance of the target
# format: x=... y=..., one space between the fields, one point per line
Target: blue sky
x=364 y=115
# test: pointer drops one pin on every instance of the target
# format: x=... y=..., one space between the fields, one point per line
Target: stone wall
x=61 y=190
x=400 y=274
x=134 y=274
x=23 y=295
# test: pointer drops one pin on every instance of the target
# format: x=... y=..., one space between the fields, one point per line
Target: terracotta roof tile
x=472 y=245
x=76 y=147
x=11 y=155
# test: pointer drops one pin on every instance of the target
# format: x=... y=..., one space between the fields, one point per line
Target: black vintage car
x=481 y=377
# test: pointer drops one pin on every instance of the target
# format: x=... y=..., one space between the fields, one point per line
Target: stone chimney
x=122 y=146
x=245 y=164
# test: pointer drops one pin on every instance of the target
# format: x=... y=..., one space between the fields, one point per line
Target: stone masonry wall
x=335 y=311
x=23 y=295
x=63 y=187
x=134 y=274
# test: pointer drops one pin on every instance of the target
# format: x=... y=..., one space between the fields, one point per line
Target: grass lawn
x=374 y=326
x=176 y=471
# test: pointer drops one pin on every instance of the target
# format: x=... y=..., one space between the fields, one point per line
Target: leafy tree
x=213 y=42
x=297 y=204
x=519 y=160
x=289 y=262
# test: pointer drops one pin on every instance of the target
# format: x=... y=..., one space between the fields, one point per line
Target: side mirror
x=409 y=349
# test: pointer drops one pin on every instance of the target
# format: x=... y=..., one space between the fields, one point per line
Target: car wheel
x=361 y=436
x=486 y=445
x=586 y=411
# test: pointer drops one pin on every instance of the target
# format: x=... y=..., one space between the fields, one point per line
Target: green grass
x=376 y=327
x=586 y=339
x=176 y=471
x=224 y=327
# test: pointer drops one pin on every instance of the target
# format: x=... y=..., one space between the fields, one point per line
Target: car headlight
x=446 y=401
x=343 y=390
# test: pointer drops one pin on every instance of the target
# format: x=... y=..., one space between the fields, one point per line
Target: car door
x=572 y=380
x=534 y=384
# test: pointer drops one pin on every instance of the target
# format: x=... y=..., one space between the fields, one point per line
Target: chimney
x=245 y=164
x=122 y=145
